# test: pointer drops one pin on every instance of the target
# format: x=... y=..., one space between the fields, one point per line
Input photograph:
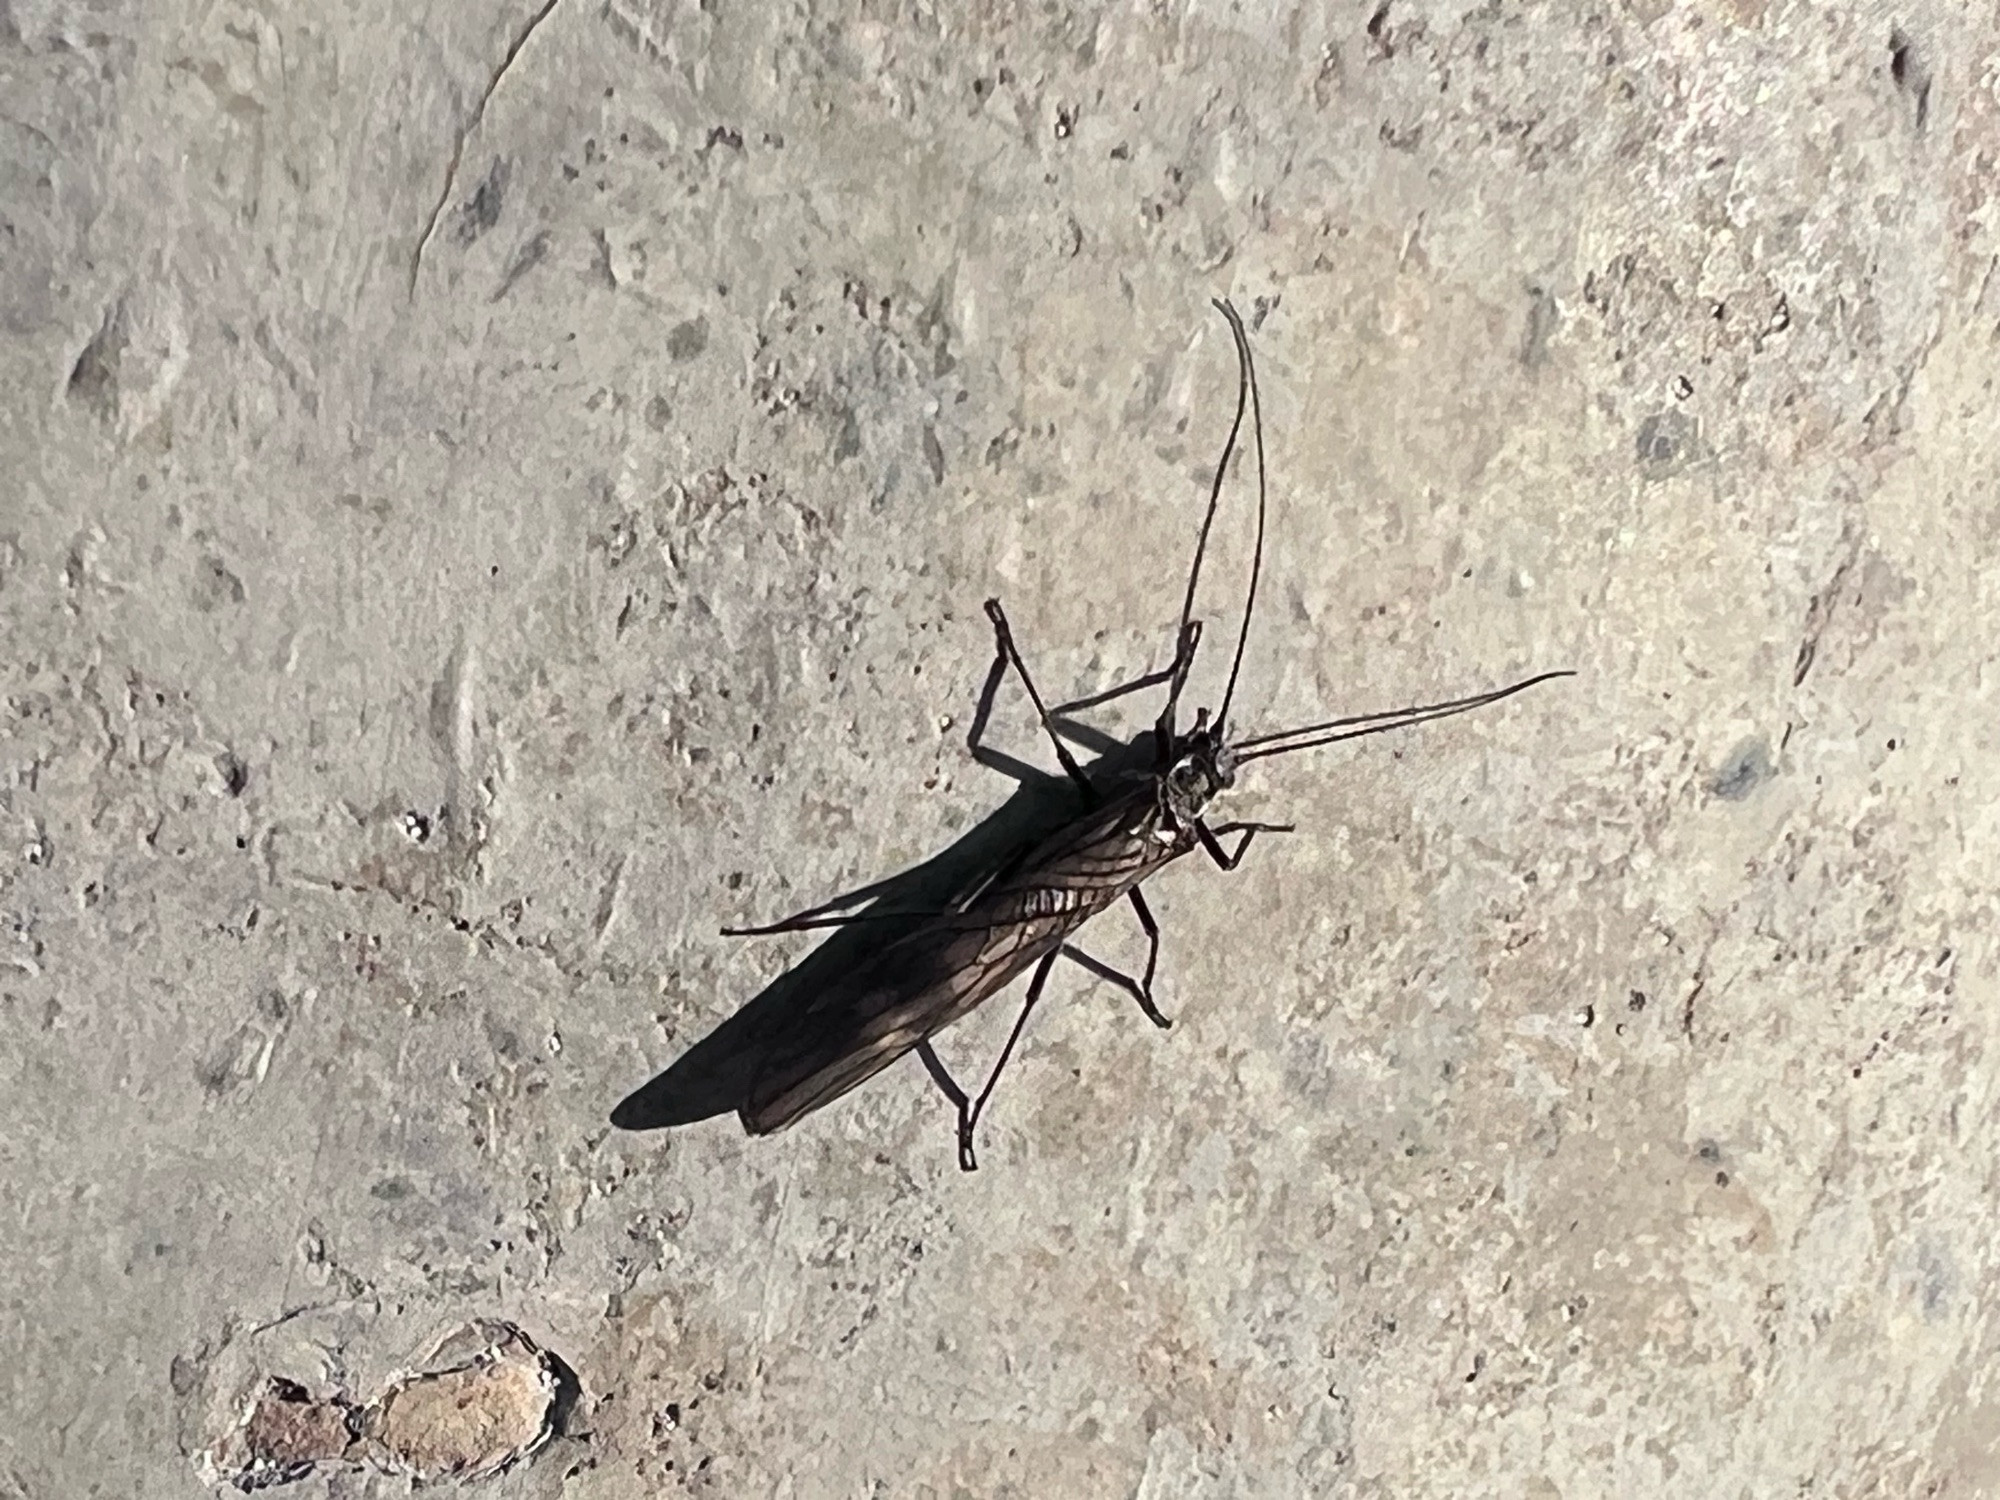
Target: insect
x=1019 y=914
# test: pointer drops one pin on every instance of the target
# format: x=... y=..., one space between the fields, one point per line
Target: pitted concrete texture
x=491 y=493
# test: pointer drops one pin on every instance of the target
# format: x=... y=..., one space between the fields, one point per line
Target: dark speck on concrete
x=1747 y=768
x=481 y=211
x=688 y=339
x=215 y=585
x=1666 y=440
x=1543 y=316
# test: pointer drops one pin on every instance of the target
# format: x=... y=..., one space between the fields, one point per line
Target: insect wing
x=915 y=988
x=923 y=982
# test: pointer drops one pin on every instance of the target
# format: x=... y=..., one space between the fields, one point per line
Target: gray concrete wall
x=489 y=495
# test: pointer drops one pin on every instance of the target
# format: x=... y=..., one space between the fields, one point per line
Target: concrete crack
x=458 y=144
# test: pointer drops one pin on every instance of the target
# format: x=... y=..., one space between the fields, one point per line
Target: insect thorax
x=1205 y=767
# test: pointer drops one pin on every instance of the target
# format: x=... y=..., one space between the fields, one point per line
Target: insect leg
x=1143 y=993
x=1152 y=929
x=1003 y=638
x=968 y=1109
x=1140 y=990
x=948 y=1086
x=808 y=921
x=1183 y=653
x=1020 y=1024
x=1006 y=765
x=1211 y=839
x=1173 y=675
x=824 y=915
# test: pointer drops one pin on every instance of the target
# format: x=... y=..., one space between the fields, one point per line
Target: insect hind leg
x=969 y=1110
x=1173 y=676
x=948 y=1086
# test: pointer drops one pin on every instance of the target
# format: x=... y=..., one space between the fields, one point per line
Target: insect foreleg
x=1211 y=839
x=1183 y=653
x=1163 y=727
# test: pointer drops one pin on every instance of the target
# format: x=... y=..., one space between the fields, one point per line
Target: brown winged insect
x=1018 y=912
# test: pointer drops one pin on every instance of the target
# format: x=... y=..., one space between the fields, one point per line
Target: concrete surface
x=489 y=494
